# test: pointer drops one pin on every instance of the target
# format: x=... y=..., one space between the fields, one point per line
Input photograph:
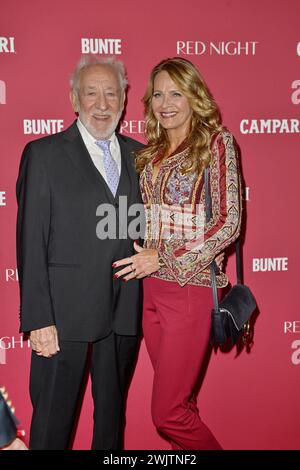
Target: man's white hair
x=87 y=61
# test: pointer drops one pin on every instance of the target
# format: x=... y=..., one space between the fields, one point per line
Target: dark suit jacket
x=65 y=270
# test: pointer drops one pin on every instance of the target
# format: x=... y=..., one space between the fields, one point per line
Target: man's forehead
x=92 y=86
x=99 y=72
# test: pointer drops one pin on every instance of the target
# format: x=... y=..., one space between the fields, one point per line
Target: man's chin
x=101 y=134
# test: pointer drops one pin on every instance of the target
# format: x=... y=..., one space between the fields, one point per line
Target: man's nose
x=101 y=102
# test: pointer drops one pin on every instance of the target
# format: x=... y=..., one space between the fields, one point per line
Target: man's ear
x=123 y=98
x=74 y=101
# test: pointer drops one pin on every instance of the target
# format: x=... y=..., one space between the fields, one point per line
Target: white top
x=96 y=152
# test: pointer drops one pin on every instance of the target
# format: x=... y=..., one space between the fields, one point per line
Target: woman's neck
x=175 y=139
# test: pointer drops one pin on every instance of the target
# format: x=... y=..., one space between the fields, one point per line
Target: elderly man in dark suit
x=70 y=301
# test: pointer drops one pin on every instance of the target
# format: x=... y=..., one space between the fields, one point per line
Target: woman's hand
x=142 y=264
x=220 y=259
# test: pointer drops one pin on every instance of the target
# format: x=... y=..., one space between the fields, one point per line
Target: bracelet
x=161 y=262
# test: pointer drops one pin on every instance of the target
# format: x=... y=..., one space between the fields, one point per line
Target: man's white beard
x=96 y=134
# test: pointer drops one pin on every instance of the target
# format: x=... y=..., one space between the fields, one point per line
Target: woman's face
x=170 y=106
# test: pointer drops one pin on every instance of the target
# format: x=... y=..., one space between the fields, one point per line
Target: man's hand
x=44 y=341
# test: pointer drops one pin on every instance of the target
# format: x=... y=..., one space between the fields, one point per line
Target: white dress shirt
x=95 y=151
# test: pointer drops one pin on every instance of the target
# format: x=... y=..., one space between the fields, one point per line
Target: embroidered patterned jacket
x=175 y=213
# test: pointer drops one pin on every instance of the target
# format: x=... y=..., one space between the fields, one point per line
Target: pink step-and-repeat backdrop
x=249 y=53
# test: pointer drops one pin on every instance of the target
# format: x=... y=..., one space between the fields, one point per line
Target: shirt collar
x=89 y=139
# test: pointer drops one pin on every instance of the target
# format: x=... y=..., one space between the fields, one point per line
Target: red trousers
x=176 y=325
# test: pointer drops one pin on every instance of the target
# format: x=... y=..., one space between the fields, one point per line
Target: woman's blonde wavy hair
x=205 y=121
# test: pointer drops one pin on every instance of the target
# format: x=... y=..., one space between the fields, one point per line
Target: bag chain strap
x=213 y=266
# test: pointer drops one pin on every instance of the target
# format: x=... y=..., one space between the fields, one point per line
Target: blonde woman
x=185 y=135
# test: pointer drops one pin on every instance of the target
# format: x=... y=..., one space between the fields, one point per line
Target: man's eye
x=91 y=93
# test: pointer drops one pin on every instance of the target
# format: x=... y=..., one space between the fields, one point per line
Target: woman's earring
x=158 y=129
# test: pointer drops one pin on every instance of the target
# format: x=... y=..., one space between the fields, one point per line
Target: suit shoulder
x=46 y=140
x=132 y=143
x=42 y=148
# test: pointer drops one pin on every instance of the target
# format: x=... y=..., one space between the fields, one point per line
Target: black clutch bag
x=230 y=317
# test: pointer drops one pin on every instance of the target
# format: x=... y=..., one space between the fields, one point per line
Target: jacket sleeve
x=33 y=227
x=188 y=257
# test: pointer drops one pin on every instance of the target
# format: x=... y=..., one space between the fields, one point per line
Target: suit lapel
x=78 y=153
x=128 y=170
x=80 y=157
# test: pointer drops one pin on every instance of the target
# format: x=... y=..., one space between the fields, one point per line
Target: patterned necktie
x=110 y=166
